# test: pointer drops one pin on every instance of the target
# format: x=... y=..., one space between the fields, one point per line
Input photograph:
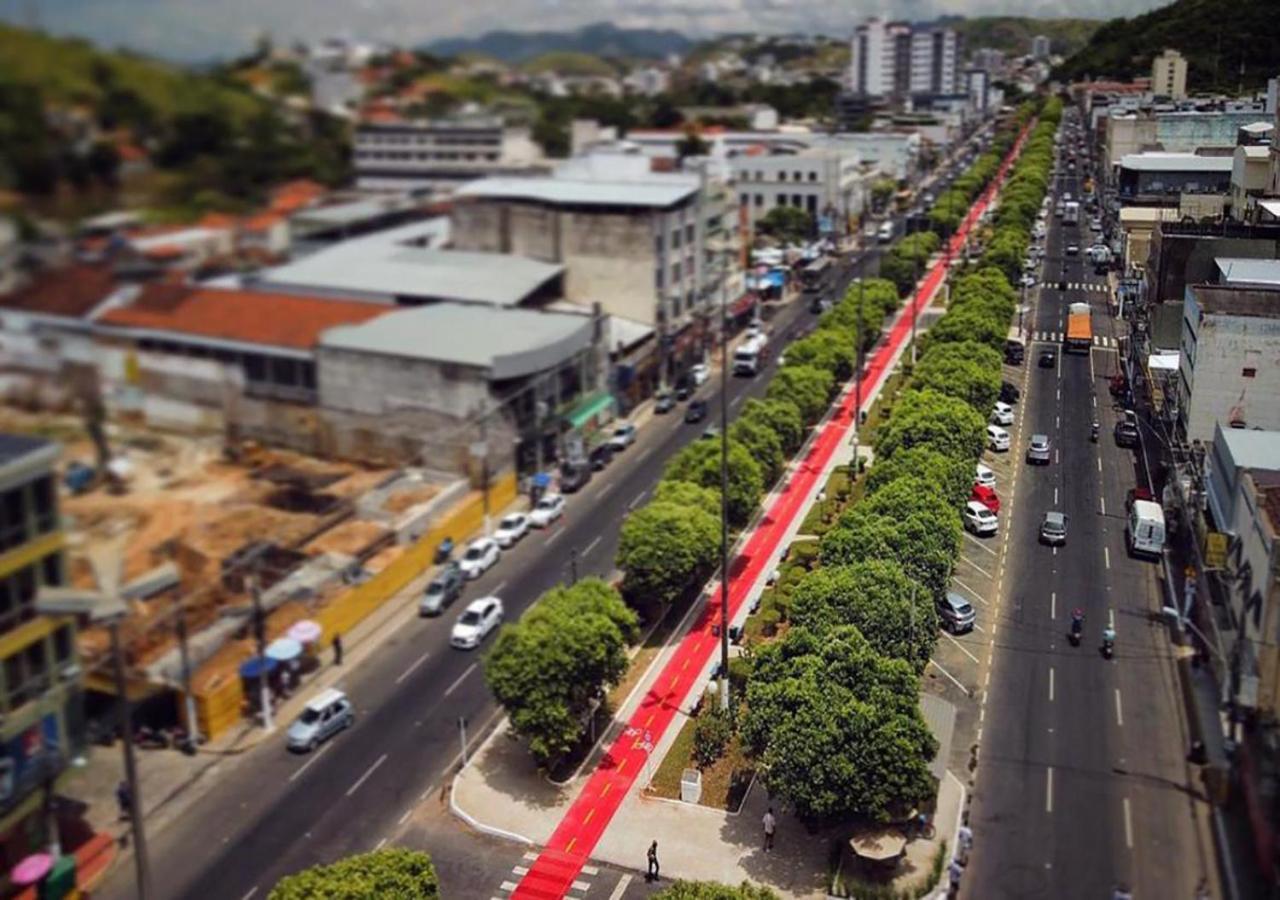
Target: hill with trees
x=601 y=39
x=1012 y=34
x=1229 y=44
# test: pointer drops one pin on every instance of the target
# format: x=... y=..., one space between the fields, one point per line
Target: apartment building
x=827 y=184
x=934 y=57
x=897 y=60
x=440 y=154
x=1169 y=75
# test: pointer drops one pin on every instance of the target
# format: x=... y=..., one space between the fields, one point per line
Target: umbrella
x=284 y=649
x=255 y=666
x=31 y=869
x=879 y=845
x=305 y=631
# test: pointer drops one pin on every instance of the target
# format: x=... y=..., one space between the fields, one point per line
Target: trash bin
x=61 y=880
x=691 y=786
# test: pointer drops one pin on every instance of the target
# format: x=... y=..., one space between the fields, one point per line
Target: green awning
x=589 y=408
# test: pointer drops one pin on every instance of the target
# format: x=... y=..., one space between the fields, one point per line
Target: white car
x=984 y=476
x=1002 y=414
x=1027 y=280
x=477 y=620
x=979 y=519
x=997 y=438
x=546 y=510
x=623 y=436
x=481 y=556
x=511 y=529
x=1073 y=249
x=699 y=374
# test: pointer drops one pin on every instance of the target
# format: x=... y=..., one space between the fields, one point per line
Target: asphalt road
x=1081 y=781
x=274 y=812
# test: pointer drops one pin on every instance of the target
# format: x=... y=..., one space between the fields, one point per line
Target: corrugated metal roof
x=1175 y=162
x=658 y=194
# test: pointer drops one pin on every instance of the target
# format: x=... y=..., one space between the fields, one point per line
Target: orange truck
x=1079 y=328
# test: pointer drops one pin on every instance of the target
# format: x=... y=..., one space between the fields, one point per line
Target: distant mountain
x=1012 y=34
x=1228 y=44
x=601 y=39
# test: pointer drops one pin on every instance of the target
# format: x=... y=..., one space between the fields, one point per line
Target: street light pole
x=857 y=379
x=724 y=489
x=140 y=863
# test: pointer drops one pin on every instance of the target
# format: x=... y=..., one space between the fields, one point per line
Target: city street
x=273 y=812
x=1081 y=781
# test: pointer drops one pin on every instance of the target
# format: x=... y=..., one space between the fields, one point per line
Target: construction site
x=222 y=548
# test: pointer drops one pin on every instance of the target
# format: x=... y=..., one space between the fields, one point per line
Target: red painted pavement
x=573 y=841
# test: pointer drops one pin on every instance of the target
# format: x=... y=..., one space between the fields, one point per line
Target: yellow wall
x=30 y=552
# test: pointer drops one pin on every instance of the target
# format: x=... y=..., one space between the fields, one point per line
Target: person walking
x=337 y=649
x=124 y=799
x=964 y=837
x=770 y=825
x=653 y=862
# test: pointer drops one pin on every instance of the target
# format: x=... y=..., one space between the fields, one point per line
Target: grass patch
x=724 y=782
x=824 y=513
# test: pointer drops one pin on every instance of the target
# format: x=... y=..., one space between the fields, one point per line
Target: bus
x=817 y=276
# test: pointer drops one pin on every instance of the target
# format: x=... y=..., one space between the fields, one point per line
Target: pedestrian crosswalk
x=577 y=890
x=1097 y=287
x=1057 y=337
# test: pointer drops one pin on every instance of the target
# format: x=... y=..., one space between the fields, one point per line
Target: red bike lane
x=573 y=841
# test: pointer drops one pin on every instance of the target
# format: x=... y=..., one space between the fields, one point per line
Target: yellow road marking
x=569 y=849
x=620 y=765
x=606 y=789
x=591 y=812
x=648 y=720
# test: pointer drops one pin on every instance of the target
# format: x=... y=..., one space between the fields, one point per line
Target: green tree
x=691 y=144
x=808 y=388
x=789 y=224
x=836 y=727
x=764 y=445
x=951 y=475
x=967 y=370
x=665 y=548
x=924 y=547
x=394 y=872
x=965 y=324
x=780 y=415
x=548 y=668
x=710 y=890
x=828 y=349
x=882 y=192
x=686 y=493
x=927 y=417
x=699 y=463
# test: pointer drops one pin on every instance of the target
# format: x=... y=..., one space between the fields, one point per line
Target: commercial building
x=1172 y=130
x=438 y=155
x=41 y=698
x=827 y=184
x=1230 y=341
x=978 y=84
x=1160 y=178
x=897 y=60
x=1250 y=169
x=1169 y=75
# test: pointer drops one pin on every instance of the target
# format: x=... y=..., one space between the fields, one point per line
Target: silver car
x=1053 y=529
x=324 y=716
x=1038 y=450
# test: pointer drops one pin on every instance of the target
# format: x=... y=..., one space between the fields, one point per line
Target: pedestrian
x=955 y=870
x=1202 y=889
x=770 y=825
x=965 y=839
x=124 y=799
x=337 y=649
x=653 y=862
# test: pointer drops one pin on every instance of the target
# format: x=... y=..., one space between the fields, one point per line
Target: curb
x=490 y=830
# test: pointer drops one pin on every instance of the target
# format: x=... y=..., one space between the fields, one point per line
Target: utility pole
x=724 y=490
x=193 y=723
x=260 y=633
x=857 y=380
x=573 y=565
x=140 y=861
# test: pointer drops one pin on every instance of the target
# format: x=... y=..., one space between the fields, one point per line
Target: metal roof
x=570 y=192
x=1244 y=272
x=508 y=343
x=14 y=447
x=1250 y=448
x=1175 y=162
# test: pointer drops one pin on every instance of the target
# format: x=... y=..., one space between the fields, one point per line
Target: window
x=759 y=200
x=782 y=176
x=657 y=245
x=675 y=239
x=64 y=647
x=13 y=518
x=657 y=278
x=743 y=199
x=26 y=674
x=51 y=570
x=1249 y=372
x=675 y=272
x=813 y=176
x=688 y=233
x=812 y=203
x=799 y=176
x=797 y=201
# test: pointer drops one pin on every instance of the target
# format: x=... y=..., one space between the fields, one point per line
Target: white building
x=871 y=60
x=827 y=184
x=441 y=154
x=1040 y=47
x=895 y=59
x=978 y=86
x=647 y=81
x=1169 y=75
x=1230 y=342
x=934 y=57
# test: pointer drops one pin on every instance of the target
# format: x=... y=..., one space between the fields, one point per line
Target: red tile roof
x=262 y=221
x=253 y=317
x=72 y=291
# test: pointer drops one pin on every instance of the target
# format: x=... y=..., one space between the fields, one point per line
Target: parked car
x=1009 y=392
x=695 y=412
x=956 y=613
x=476 y=622
x=574 y=476
x=511 y=529
x=1014 y=351
x=601 y=455
x=325 y=715
x=984 y=476
x=442 y=591
x=1126 y=434
x=997 y=438
x=1048 y=358
x=1053 y=529
x=684 y=389
x=986 y=496
x=1073 y=249
x=979 y=519
x=699 y=374
x=1038 y=450
x=664 y=402
x=481 y=556
x=1028 y=280
x=548 y=508
x=1002 y=414
x=623 y=437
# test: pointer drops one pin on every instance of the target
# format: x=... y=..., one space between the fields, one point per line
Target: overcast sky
x=205 y=29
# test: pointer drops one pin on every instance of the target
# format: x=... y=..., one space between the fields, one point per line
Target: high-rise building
x=41 y=703
x=934 y=55
x=895 y=59
x=1169 y=75
x=871 y=59
x=1040 y=47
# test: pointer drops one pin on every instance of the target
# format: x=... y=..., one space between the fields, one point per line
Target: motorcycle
x=1108 y=643
x=1093 y=432
x=444 y=551
x=1077 y=627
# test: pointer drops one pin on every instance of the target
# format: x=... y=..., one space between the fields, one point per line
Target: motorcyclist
x=1108 y=637
x=1093 y=431
x=1077 y=620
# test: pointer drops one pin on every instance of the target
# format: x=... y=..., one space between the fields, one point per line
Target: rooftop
x=14 y=447
x=71 y=291
x=1248 y=272
x=1256 y=151
x=509 y=343
x=1237 y=301
x=653 y=193
x=242 y=316
x=1249 y=448
x=1175 y=162
x=339 y=214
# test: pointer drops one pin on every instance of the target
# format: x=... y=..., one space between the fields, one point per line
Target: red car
x=987 y=497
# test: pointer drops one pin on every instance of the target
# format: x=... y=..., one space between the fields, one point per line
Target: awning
x=1167 y=362
x=254 y=666
x=588 y=409
x=284 y=649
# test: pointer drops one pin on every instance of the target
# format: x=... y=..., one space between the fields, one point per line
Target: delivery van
x=1144 y=532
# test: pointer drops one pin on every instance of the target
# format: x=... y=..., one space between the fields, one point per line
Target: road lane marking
x=635 y=501
x=405 y=818
x=520 y=870
x=623 y=883
x=1106 y=556
x=1048 y=791
x=591 y=812
x=1057 y=423
x=644 y=455
x=974 y=565
x=967 y=692
x=365 y=777
x=961 y=646
x=604 y=490
x=409 y=671
x=1128 y=825
x=1057 y=458
x=733 y=404
x=581 y=886
x=569 y=848
x=306 y=765
x=593 y=545
x=461 y=678
x=1055 y=496
x=1102 y=504
x=1051 y=684
x=1053 y=605
x=507 y=886
x=590 y=870
x=253 y=890
x=555 y=536
x=1099 y=463
x=1111 y=618
x=1119 y=711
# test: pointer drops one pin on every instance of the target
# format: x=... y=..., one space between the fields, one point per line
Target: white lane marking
x=507 y=886
x=426 y=793
x=644 y=455
x=1099 y=463
x=604 y=490
x=635 y=501
x=555 y=536
x=1051 y=684
x=593 y=545
x=1053 y=605
x=581 y=886
x=1106 y=556
x=1119 y=710
x=501 y=585
x=1057 y=423
x=974 y=565
x=1048 y=791
x=253 y=890
x=382 y=843
x=978 y=543
x=531 y=856
x=961 y=646
x=623 y=883
x=520 y=870
x=934 y=663
x=971 y=591
x=1057 y=458
x=590 y=870
x=733 y=404
x=1102 y=503
x=1111 y=618
x=409 y=671
x=1128 y=825
x=461 y=678
x=309 y=763
x=1055 y=496
x=405 y=818
x=365 y=777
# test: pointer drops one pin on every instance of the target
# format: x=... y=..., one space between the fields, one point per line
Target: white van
x=886 y=232
x=1145 y=531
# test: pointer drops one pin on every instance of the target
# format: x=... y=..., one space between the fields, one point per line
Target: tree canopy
x=665 y=546
x=393 y=872
x=936 y=420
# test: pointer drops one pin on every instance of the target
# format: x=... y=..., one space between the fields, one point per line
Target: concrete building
x=41 y=695
x=896 y=60
x=1227 y=372
x=1040 y=47
x=1160 y=178
x=827 y=184
x=1250 y=169
x=872 y=59
x=935 y=55
x=1169 y=75
x=977 y=83
x=439 y=155
x=8 y=256
x=1137 y=224
x=1127 y=131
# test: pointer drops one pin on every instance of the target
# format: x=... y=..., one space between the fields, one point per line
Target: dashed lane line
x=1119 y=710
x=309 y=763
x=458 y=681
x=365 y=777
x=1048 y=790
x=1128 y=825
x=623 y=883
